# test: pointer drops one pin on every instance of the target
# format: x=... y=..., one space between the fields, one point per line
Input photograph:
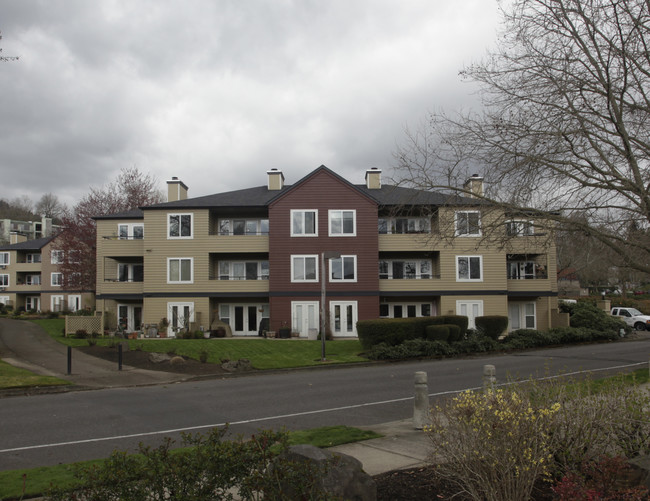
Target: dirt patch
x=140 y=359
x=416 y=484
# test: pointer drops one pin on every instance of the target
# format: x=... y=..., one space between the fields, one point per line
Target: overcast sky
x=217 y=92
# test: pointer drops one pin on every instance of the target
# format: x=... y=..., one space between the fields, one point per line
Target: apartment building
x=30 y=229
x=273 y=251
x=30 y=278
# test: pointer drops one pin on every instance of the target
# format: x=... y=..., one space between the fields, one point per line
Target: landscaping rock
x=159 y=358
x=640 y=472
x=342 y=475
x=177 y=361
x=241 y=365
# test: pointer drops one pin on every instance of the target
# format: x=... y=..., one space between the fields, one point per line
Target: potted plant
x=285 y=331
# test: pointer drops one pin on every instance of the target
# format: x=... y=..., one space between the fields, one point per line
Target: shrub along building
x=31 y=278
x=258 y=253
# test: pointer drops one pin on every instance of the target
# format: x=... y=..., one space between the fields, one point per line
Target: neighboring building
x=254 y=254
x=30 y=278
x=31 y=230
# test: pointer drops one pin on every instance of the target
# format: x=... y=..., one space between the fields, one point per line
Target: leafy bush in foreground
x=209 y=468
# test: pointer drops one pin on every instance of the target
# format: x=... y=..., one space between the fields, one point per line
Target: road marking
x=297 y=414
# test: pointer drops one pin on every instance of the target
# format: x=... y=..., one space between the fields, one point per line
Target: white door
x=343 y=318
x=471 y=310
x=74 y=303
x=180 y=315
x=304 y=316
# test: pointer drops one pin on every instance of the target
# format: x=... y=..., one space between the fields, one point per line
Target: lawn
x=263 y=353
x=15 y=484
x=15 y=377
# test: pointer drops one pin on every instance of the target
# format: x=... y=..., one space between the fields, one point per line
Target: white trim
x=469 y=267
x=180 y=281
x=315 y=324
x=170 y=330
x=129 y=231
x=337 y=280
x=303 y=211
x=342 y=233
x=304 y=256
x=355 y=318
x=60 y=256
x=52 y=275
x=470 y=315
x=7 y=259
x=57 y=298
x=179 y=236
x=4 y=280
x=459 y=234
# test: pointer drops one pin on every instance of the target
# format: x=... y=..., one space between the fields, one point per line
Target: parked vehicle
x=633 y=318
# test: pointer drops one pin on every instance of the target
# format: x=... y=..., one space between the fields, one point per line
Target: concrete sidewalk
x=24 y=344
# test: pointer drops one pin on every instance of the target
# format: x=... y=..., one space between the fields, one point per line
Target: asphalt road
x=61 y=428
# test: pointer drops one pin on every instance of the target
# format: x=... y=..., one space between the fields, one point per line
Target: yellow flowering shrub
x=492 y=445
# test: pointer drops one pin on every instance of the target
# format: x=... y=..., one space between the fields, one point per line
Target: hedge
x=394 y=331
x=492 y=326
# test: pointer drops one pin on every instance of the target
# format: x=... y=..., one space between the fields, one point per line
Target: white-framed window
x=414 y=269
x=57 y=303
x=57 y=256
x=405 y=310
x=130 y=272
x=343 y=269
x=33 y=280
x=180 y=225
x=519 y=228
x=469 y=268
x=304 y=268
x=522 y=316
x=180 y=270
x=74 y=302
x=342 y=223
x=56 y=279
x=244 y=318
x=403 y=225
x=4 y=280
x=4 y=258
x=243 y=270
x=130 y=231
x=471 y=310
x=240 y=226
x=468 y=223
x=304 y=223
x=33 y=258
x=4 y=300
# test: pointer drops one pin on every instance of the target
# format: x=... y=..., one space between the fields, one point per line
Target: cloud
x=218 y=92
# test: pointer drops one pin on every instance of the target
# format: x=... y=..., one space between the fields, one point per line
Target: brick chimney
x=475 y=186
x=373 y=178
x=176 y=190
x=276 y=180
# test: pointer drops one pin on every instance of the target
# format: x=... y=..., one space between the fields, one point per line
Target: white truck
x=633 y=318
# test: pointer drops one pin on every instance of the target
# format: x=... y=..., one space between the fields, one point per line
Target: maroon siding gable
x=323 y=191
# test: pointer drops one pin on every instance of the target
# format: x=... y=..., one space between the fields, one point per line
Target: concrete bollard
x=421 y=401
x=489 y=377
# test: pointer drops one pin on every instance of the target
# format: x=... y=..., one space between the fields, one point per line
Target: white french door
x=471 y=310
x=304 y=316
x=343 y=318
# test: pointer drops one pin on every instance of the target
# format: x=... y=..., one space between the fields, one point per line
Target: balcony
x=406 y=284
x=122 y=246
x=259 y=285
x=114 y=286
x=239 y=243
x=406 y=242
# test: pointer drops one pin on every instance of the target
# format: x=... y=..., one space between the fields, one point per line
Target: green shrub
x=208 y=468
x=475 y=343
x=591 y=317
x=392 y=331
x=492 y=326
x=461 y=321
x=437 y=332
x=81 y=334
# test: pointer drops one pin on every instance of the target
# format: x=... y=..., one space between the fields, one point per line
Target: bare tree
x=564 y=126
x=132 y=189
x=49 y=206
x=7 y=58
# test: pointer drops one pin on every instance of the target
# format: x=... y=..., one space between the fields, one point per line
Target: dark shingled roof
x=36 y=244
x=261 y=197
x=132 y=214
